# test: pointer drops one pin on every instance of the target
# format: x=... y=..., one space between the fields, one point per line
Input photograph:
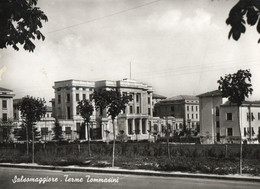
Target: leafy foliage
x=86 y=109
x=20 y=21
x=236 y=86
x=57 y=129
x=32 y=109
x=248 y=9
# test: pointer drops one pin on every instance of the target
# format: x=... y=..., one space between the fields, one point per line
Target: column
x=133 y=125
x=140 y=126
x=134 y=104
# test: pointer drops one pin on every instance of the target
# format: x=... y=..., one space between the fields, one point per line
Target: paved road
x=11 y=177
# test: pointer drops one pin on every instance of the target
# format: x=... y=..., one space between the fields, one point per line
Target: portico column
x=133 y=125
x=140 y=126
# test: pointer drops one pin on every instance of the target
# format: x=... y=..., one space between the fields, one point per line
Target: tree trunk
x=32 y=144
x=27 y=140
x=89 y=152
x=168 y=147
x=241 y=145
x=114 y=143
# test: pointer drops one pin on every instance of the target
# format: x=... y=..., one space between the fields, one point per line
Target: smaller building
x=185 y=107
x=243 y=120
x=6 y=113
x=44 y=126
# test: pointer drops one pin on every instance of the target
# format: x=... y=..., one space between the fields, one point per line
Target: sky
x=177 y=47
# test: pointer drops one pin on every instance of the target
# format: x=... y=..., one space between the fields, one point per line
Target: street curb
x=134 y=172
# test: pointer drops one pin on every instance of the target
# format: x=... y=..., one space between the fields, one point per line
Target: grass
x=210 y=159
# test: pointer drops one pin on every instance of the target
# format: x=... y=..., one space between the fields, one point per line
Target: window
x=217 y=124
x=131 y=109
x=252 y=116
x=4 y=117
x=229 y=132
x=149 y=100
x=59 y=99
x=229 y=116
x=217 y=111
x=149 y=111
x=188 y=108
x=137 y=110
x=68 y=112
x=130 y=129
x=188 y=116
x=68 y=130
x=68 y=97
x=245 y=132
x=77 y=110
x=253 y=132
x=191 y=108
x=77 y=97
x=44 y=131
x=150 y=126
x=144 y=126
x=218 y=137
x=155 y=127
x=84 y=96
x=196 y=116
x=4 y=104
x=137 y=127
x=78 y=127
x=191 y=116
x=196 y=108
x=172 y=108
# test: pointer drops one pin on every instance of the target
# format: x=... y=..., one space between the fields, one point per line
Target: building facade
x=183 y=107
x=136 y=121
x=239 y=121
x=225 y=122
x=6 y=113
x=44 y=126
x=209 y=104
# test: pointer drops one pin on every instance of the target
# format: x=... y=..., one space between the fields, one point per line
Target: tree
x=57 y=129
x=236 y=87
x=101 y=101
x=249 y=9
x=86 y=109
x=114 y=102
x=32 y=109
x=167 y=131
x=20 y=21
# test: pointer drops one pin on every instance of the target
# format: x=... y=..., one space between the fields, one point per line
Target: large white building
x=136 y=121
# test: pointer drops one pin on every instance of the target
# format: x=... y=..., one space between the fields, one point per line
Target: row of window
x=246 y=131
x=192 y=116
x=229 y=116
x=68 y=97
x=192 y=108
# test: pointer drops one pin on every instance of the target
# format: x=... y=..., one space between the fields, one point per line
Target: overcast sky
x=176 y=46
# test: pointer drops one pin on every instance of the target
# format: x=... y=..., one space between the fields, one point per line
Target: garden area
x=194 y=158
